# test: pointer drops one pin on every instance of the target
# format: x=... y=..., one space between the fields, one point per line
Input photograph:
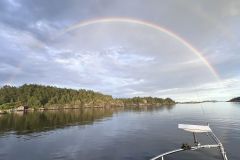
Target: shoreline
x=78 y=108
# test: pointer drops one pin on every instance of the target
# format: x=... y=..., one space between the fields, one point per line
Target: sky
x=97 y=45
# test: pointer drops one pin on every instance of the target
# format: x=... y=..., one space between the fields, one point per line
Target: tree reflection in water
x=29 y=122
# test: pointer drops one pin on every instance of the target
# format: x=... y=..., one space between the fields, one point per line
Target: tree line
x=36 y=96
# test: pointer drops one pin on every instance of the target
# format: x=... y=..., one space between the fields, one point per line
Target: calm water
x=99 y=134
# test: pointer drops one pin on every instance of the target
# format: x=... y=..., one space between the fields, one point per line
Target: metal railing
x=180 y=150
x=196 y=147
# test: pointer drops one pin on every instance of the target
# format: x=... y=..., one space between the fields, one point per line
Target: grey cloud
x=120 y=59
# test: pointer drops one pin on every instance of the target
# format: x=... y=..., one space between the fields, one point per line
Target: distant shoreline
x=237 y=99
x=32 y=97
x=79 y=108
x=195 y=102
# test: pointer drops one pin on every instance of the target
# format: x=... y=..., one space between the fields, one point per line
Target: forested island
x=39 y=97
x=237 y=99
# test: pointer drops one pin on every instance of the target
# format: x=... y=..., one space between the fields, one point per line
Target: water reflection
x=29 y=122
x=149 y=108
x=136 y=133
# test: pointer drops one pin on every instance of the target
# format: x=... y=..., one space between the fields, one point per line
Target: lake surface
x=117 y=134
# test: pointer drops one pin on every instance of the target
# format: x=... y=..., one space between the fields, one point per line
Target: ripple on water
x=129 y=134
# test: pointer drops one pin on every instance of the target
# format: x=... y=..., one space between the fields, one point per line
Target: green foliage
x=36 y=96
x=147 y=101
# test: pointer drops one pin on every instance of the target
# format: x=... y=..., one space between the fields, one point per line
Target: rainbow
x=146 y=24
x=138 y=22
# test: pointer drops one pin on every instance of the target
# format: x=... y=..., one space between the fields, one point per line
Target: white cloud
x=14 y=3
x=122 y=59
x=219 y=90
